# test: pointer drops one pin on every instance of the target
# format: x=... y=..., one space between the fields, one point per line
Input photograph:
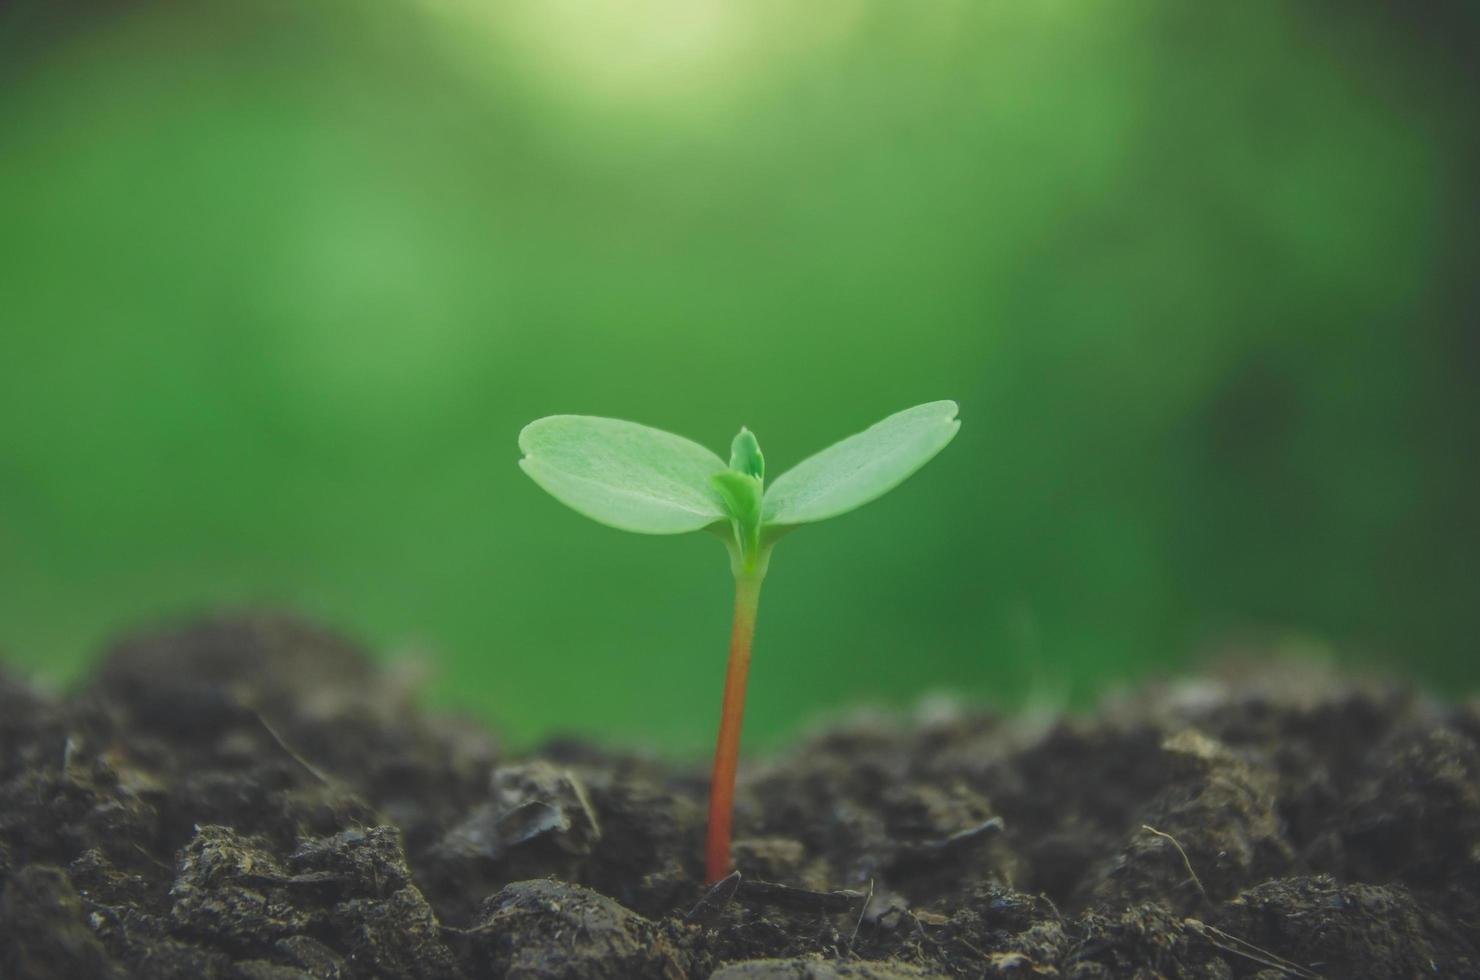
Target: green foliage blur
x=281 y=282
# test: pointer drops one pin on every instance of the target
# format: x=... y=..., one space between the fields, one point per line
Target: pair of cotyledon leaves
x=641 y=479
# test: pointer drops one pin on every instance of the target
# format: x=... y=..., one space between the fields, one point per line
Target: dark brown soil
x=249 y=798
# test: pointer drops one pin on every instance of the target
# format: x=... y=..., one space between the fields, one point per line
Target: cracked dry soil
x=250 y=798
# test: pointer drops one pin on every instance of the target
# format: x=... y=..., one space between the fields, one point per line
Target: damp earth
x=253 y=798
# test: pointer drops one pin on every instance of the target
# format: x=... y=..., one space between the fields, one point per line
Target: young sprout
x=640 y=479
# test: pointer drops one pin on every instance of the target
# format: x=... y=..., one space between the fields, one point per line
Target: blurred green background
x=281 y=282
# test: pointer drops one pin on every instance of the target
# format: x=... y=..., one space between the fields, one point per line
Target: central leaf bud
x=741 y=486
x=745 y=455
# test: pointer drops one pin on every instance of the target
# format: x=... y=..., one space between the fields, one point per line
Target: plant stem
x=727 y=747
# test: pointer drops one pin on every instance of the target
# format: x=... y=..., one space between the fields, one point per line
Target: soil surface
x=250 y=798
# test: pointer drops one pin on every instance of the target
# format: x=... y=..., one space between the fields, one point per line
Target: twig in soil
x=725 y=890
x=150 y=857
x=718 y=894
x=802 y=899
x=925 y=850
x=862 y=911
x=283 y=744
x=980 y=953
x=990 y=826
x=463 y=932
x=1219 y=939
x=1195 y=880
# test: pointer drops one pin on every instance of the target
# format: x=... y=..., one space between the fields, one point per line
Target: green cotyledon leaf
x=861 y=468
x=622 y=474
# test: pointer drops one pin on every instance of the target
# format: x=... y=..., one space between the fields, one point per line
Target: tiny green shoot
x=640 y=479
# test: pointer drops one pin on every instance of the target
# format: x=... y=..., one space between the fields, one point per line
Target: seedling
x=640 y=479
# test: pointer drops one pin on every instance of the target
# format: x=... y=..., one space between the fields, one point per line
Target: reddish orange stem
x=727 y=747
